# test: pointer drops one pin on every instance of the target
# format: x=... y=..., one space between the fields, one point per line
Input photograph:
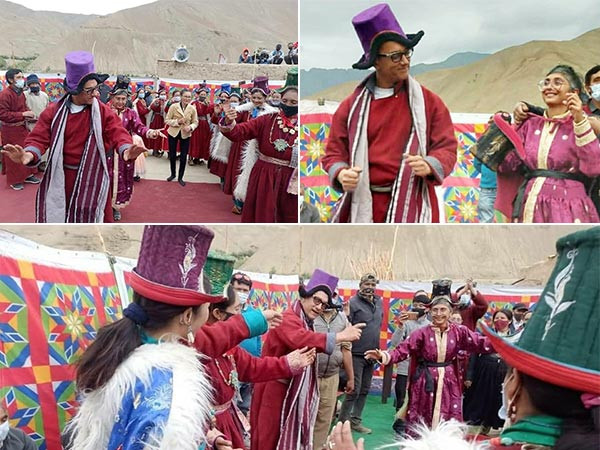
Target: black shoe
x=181 y=182
x=136 y=178
x=171 y=178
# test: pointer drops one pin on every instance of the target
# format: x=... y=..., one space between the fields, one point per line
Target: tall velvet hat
x=225 y=88
x=122 y=85
x=170 y=265
x=261 y=84
x=291 y=80
x=236 y=92
x=320 y=281
x=440 y=287
x=376 y=25
x=561 y=343
x=219 y=269
x=203 y=87
x=80 y=69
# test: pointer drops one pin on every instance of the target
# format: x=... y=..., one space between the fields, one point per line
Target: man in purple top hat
x=81 y=136
x=283 y=414
x=391 y=141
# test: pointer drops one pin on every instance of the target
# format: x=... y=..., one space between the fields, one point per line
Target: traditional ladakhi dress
x=77 y=183
x=559 y=154
x=14 y=131
x=434 y=391
x=160 y=396
x=126 y=170
x=200 y=140
x=159 y=111
x=139 y=105
x=238 y=365
x=219 y=149
x=283 y=412
x=272 y=194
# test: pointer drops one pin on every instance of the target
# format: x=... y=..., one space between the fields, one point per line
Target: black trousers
x=184 y=147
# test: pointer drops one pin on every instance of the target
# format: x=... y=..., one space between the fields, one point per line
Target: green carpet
x=378 y=417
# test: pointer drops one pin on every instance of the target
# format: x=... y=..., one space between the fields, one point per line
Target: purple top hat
x=261 y=84
x=320 y=281
x=376 y=25
x=171 y=263
x=80 y=68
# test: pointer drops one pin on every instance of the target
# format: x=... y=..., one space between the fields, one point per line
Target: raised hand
x=17 y=154
x=133 y=152
x=274 y=318
x=351 y=333
x=520 y=112
x=575 y=106
x=230 y=116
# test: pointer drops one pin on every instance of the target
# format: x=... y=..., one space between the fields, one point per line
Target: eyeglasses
x=555 y=83
x=90 y=91
x=397 y=56
x=319 y=302
x=241 y=277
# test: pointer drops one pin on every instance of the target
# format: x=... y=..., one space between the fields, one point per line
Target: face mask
x=506 y=403
x=500 y=324
x=419 y=311
x=163 y=97
x=366 y=292
x=176 y=99
x=20 y=84
x=35 y=89
x=465 y=301
x=141 y=95
x=4 y=431
x=288 y=111
x=243 y=296
x=595 y=92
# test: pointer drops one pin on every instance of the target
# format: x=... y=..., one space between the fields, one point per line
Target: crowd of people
x=255 y=157
x=551 y=175
x=276 y=56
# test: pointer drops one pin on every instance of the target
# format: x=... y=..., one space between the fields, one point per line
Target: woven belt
x=277 y=161
x=16 y=124
x=202 y=118
x=381 y=189
x=219 y=409
x=71 y=167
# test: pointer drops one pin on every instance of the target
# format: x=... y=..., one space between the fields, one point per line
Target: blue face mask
x=142 y=95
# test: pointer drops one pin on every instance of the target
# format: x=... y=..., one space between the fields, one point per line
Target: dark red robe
x=218 y=168
x=143 y=111
x=200 y=140
x=12 y=106
x=388 y=133
x=77 y=131
x=158 y=123
x=268 y=397
x=234 y=159
x=267 y=199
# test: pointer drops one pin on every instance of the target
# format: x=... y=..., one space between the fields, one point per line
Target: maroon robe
x=158 y=123
x=249 y=369
x=387 y=143
x=76 y=134
x=142 y=109
x=200 y=140
x=234 y=159
x=268 y=397
x=12 y=106
x=442 y=399
x=267 y=199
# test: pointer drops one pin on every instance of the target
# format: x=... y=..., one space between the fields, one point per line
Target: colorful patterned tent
x=459 y=194
x=49 y=313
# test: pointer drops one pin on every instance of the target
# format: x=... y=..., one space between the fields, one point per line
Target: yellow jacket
x=175 y=113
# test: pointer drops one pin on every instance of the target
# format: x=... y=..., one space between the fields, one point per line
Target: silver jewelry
x=190 y=335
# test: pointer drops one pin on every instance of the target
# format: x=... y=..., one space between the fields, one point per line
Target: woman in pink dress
x=561 y=153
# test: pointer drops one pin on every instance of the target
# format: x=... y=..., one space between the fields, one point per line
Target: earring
x=190 y=335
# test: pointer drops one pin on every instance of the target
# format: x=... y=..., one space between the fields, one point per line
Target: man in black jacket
x=365 y=307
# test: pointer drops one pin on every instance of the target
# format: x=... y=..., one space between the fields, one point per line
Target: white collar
x=74 y=109
x=380 y=92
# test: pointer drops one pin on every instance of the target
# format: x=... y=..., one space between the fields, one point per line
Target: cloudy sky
x=82 y=7
x=328 y=40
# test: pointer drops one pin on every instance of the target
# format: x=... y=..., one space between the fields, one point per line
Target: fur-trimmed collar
x=190 y=406
x=267 y=109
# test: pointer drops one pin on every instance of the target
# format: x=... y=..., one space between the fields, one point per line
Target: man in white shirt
x=37 y=101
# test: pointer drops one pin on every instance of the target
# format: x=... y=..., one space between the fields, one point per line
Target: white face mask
x=595 y=92
x=465 y=301
x=20 y=84
x=4 y=431
x=141 y=95
x=163 y=97
x=243 y=296
x=176 y=99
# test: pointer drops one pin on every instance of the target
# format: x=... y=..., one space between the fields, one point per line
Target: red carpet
x=153 y=202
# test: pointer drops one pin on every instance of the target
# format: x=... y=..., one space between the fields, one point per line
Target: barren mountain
x=130 y=41
x=500 y=254
x=27 y=33
x=500 y=80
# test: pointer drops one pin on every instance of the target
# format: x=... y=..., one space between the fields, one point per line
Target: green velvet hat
x=291 y=80
x=236 y=91
x=561 y=342
x=219 y=269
